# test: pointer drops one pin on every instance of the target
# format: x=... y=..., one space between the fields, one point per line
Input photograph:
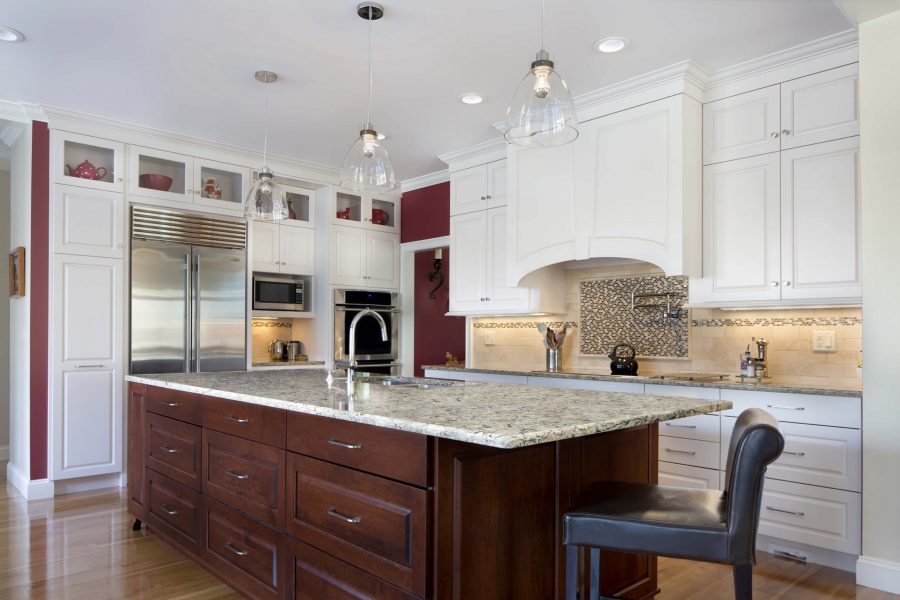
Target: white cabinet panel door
x=384 y=259
x=500 y=297
x=689 y=477
x=265 y=247
x=820 y=208
x=88 y=222
x=468 y=190
x=742 y=126
x=497 y=184
x=820 y=107
x=741 y=229
x=88 y=430
x=348 y=256
x=468 y=248
x=89 y=298
x=297 y=250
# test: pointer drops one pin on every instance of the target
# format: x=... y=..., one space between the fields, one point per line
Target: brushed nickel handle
x=773 y=283
x=168 y=510
x=88 y=366
x=165 y=448
x=240 y=420
x=773 y=135
x=785 y=407
x=689 y=453
x=787 y=512
x=236 y=475
x=785 y=132
x=488 y=197
x=682 y=426
x=793 y=453
x=334 y=513
x=236 y=551
x=341 y=444
x=786 y=283
x=169 y=403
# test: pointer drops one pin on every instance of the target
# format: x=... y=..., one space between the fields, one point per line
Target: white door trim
x=408 y=298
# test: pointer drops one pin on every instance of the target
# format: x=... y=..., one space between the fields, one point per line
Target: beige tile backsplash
x=713 y=349
x=264 y=331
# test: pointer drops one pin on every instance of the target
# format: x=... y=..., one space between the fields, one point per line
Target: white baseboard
x=4 y=453
x=878 y=573
x=86 y=484
x=38 y=489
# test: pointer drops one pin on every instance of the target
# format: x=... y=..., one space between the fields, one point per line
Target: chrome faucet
x=351 y=358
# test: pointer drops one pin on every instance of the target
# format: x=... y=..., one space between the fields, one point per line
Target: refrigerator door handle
x=187 y=312
x=195 y=312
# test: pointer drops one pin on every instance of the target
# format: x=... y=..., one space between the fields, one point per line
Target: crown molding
x=422 y=181
x=478 y=154
x=17 y=112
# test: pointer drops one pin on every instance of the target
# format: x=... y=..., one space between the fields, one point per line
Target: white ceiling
x=187 y=67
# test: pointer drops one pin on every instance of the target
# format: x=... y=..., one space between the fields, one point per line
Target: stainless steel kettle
x=276 y=350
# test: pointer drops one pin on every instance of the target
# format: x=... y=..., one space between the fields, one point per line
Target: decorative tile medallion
x=268 y=323
x=607 y=317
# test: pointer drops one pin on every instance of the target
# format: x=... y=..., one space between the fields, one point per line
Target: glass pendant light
x=266 y=201
x=367 y=166
x=542 y=112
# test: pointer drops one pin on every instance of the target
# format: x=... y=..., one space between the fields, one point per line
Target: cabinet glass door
x=383 y=214
x=163 y=175
x=221 y=185
x=301 y=206
x=88 y=161
x=348 y=209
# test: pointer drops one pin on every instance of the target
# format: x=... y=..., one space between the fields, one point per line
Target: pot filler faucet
x=351 y=366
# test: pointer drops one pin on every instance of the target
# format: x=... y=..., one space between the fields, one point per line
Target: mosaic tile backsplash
x=607 y=316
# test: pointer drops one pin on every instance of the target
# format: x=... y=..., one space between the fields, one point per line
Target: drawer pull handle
x=344 y=518
x=786 y=407
x=237 y=475
x=168 y=510
x=335 y=442
x=169 y=403
x=237 y=419
x=682 y=426
x=688 y=452
x=235 y=551
x=787 y=512
x=793 y=453
x=165 y=448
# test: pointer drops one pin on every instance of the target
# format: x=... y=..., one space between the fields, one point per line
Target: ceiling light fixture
x=608 y=45
x=265 y=201
x=367 y=166
x=471 y=98
x=542 y=112
x=8 y=34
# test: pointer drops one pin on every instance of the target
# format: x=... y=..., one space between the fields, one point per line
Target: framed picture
x=17 y=273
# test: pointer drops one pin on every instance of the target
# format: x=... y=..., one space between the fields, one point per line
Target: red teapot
x=87 y=171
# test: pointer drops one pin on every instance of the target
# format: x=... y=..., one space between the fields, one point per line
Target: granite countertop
x=730 y=383
x=498 y=415
x=283 y=364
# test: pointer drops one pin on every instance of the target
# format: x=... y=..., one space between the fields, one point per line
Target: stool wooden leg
x=595 y=574
x=743 y=582
x=573 y=558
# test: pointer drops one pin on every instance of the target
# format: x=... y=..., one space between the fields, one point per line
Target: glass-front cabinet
x=87 y=161
x=301 y=204
x=220 y=184
x=160 y=174
x=369 y=211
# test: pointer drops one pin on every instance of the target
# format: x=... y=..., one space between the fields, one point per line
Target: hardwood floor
x=81 y=546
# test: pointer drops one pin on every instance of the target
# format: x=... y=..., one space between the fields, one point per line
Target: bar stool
x=704 y=525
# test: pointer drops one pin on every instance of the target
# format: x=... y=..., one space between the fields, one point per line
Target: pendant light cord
x=542 y=24
x=369 y=110
x=266 y=128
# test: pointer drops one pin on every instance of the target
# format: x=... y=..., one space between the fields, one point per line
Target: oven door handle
x=345 y=308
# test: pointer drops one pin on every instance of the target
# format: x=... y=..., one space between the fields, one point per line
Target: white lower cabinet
x=690 y=477
x=695 y=453
x=87 y=366
x=364 y=258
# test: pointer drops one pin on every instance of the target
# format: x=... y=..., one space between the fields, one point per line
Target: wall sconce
x=436 y=275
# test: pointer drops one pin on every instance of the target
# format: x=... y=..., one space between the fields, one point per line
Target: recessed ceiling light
x=8 y=34
x=471 y=98
x=610 y=44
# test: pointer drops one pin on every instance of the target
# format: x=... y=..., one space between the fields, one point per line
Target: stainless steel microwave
x=278 y=292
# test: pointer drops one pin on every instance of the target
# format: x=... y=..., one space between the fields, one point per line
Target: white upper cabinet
x=265 y=249
x=468 y=264
x=279 y=248
x=220 y=185
x=365 y=258
x=500 y=296
x=820 y=107
x=383 y=256
x=86 y=161
x=301 y=206
x=741 y=126
x=161 y=175
x=88 y=222
x=478 y=188
x=820 y=208
x=369 y=211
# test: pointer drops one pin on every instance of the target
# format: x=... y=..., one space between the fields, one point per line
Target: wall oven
x=278 y=292
x=375 y=355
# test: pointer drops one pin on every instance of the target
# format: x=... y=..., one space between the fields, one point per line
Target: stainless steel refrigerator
x=188 y=293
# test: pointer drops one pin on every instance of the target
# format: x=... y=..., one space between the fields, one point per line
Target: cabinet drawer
x=689 y=477
x=699 y=427
x=318 y=575
x=246 y=554
x=173 y=449
x=373 y=523
x=174 y=510
x=813 y=454
x=811 y=515
x=183 y=406
x=837 y=411
x=244 y=474
x=396 y=454
x=251 y=421
x=689 y=452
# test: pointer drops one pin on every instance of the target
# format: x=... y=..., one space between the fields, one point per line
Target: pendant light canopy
x=367 y=166
x=542 y=112
x=266 y=201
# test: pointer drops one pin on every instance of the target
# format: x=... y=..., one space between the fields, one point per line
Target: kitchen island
x=285 y=486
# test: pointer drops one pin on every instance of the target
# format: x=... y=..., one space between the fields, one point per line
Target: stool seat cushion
x=652 y=519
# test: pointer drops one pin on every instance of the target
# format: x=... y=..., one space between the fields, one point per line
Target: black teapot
x=623 y=364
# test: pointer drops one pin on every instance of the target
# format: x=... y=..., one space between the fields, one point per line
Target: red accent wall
x=435 y=334
x=38 y=289
x=426 y=213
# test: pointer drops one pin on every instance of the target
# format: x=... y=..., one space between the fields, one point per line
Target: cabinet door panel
x=72 y=149
x=348 y=256
x=89 y=417
x=742 y=126
x=384 y=259
x=136 y=401
x=741 y=214
x=820 y=210
x=265 y=247
x=468 y=190
x=88 y=222
x=89 y=296
x=468 y=244
x=820 y=107
x=297 y=250
x=500 y=297
x=497 y=174
x=689 y=477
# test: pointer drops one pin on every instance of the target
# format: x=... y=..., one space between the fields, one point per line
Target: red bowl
x=155 y=182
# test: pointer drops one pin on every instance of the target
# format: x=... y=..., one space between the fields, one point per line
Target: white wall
x=879 y=61
x=4 y=316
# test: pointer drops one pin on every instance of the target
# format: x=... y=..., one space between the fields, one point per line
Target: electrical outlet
x=823 y=341
x=490 y=337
